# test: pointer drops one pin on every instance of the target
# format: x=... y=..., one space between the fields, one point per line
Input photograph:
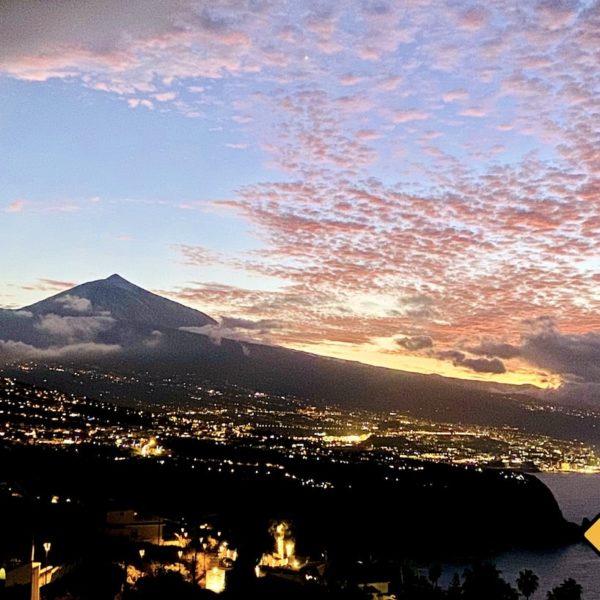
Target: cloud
x=74 y=328
x=479 y=365
x=74 y=303
x=484 y=365
x=351 y=79
x=16 y=206
x=472 y=19
x=260 y=325
x=15 y=314
x=214 y=332
x=473 y=111
x=154 y=340
x=11 y=350
x=118 y=44
x=556 y=14
x=574 y=355
x=418 y=306
x=454 y=95
x=42 y=207
x=416 y=342
x=54 y=284
x=238 y=329
x=406 y=116
x=48 y=285
x=165 y=96
x=490 y=347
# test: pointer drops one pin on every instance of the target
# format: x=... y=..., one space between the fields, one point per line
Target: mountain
x=124 y=302
x=114 y=325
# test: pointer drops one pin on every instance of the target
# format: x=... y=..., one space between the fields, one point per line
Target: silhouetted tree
x=164 y=585
x=454 y=589
x=528 y=583
x=435 y=572
x=89 y=580
x=569 y=589
x=484 y=581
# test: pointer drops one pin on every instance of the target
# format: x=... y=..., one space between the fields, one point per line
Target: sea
x=579 y=497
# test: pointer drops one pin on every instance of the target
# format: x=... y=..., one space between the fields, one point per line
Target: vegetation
x=481 y=580
x=528 y=583
x=569 y=589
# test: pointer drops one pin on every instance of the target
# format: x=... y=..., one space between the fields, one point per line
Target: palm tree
x=569 y=589
x=528 y=583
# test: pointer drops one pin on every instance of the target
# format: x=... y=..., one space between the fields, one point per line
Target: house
x=129 y=524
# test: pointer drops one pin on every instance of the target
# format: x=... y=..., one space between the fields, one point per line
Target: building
x=30 y=574
x=129 y=524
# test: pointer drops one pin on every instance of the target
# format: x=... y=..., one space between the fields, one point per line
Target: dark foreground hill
x=424 y=510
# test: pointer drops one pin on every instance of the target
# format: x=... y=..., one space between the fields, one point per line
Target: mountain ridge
x=124 y=301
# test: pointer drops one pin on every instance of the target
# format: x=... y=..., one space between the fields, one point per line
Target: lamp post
x=142 y=553
x=204 y=546
x=180 y=554
x=47 y=546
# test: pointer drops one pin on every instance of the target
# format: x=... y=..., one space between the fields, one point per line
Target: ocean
x=578 y=496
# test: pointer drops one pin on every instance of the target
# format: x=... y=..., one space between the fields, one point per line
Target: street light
x=180 y=554
x=142 y=553
x=47 y=546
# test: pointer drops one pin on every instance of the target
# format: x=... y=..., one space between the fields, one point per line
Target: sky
x=411 y=184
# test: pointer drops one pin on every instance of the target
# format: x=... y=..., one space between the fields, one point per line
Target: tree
x=435 y=572
x=167 y=584
x=484 y=581
x=528 y=583
x=569 y=589
x=454 y=590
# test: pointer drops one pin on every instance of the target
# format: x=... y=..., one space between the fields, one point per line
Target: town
x=295 y=427
x=177 y=493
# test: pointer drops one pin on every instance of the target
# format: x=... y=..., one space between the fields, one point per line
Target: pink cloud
x=63 y=206
x=473 y=111
x=16 y=206
x=49 y=285
x=368 y=134
x=350 y=79
x=406 y=116
x=389 y=84
x=454 y=95
x=165 y=96
x=472 y=19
